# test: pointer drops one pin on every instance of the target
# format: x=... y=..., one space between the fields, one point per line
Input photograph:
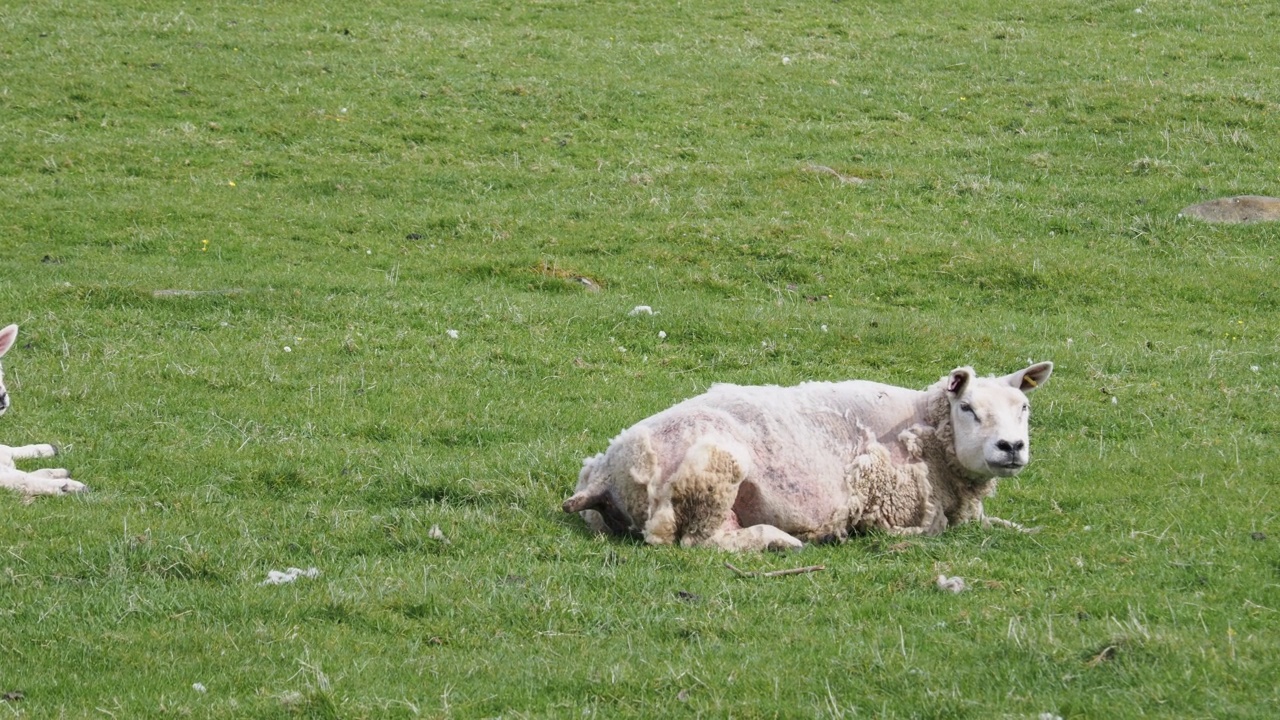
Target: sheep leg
x=693 y=505
x=989 y=520
x=27 y=452
x=40 y=482
x=696 y=506
x=47 y=481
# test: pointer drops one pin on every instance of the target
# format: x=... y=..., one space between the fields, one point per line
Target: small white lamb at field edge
x=47 y=481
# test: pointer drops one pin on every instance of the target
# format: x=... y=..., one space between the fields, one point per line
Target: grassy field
x=240 y=239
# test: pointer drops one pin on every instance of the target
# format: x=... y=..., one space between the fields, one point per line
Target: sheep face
x=990 y=419
x=7 y=336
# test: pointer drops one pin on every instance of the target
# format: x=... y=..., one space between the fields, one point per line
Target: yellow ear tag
x=1029 y=381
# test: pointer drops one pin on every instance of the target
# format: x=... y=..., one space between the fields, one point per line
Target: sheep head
x=989 y=417
x=7 y=336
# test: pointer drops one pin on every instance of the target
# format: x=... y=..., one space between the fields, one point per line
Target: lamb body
x=754 y=467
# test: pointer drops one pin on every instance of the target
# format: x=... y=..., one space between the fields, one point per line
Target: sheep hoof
x=988 y=521
x=46 y=485
x=754 y=538
x=777 y=540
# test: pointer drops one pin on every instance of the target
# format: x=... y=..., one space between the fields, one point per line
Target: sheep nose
x=1010 y=447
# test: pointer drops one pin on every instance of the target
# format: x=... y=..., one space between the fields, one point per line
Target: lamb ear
x=7 y=336
x=1030 y=378
x=959 y=380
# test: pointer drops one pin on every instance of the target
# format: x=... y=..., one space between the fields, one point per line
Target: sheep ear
x=1030 y=378
x=7 y=336
x=959 y=380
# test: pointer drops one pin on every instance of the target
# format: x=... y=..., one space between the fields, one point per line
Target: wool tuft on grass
x=277 y=577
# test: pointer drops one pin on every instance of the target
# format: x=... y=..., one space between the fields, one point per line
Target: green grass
x=352 y=180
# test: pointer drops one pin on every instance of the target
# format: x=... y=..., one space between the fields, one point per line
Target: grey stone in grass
x=1238 y=209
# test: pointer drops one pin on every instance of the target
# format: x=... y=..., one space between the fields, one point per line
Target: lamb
x=48 y=481
x=767 y=467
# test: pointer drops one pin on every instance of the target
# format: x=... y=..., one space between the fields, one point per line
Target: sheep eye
x=966 y=407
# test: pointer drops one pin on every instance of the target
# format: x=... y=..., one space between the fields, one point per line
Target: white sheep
x=48 y=481
x=751 y=467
